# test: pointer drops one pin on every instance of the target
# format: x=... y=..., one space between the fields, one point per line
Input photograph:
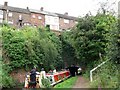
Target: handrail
x=91 y=77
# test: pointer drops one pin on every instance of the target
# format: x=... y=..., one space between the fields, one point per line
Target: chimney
x=5 y=3
x=66 y=13
x=41 y=9
x=27 y=8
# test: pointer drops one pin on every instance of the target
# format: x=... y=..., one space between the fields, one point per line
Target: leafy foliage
x=106 y=77
x=68 y=52
x=5 y=80
x=118 y=42
x=30 y=47
x=46 y=83
x=92 y=36
x=94 y=40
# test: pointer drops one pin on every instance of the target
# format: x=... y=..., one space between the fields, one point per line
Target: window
x=55 y=20
x=66 y=21
x=10 y=22
x=76 y=22
x=1 y=14
x=33 y=16
x=10 y=14
x=39 y=17
x=48 y=19
x=26 y=24
x=1 y=20
x=47 y=26
x=20 y=17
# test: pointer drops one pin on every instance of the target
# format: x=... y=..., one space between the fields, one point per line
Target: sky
x=73 y=7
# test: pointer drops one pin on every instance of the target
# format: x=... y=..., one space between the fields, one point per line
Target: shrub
x=46 y=83
x=29 y=47
x=6 y=80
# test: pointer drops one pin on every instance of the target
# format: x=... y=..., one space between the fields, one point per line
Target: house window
x=66 y=21
x=1 y=14
x=47 y=26
x=33 y=16
x=10 y=14
x=10 y=22
x=48 y=19
x=20 y=17
x=1 y=20
x=56 y=20
x=39 y=17
x=76 y=22
x=26 y=24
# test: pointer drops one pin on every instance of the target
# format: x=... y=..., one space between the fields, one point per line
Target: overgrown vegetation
x=27 y=48
x=46 y=83
x=94 y=40
x=5 y=80
x=30 y=47
x=106 y=76
x=68 y=52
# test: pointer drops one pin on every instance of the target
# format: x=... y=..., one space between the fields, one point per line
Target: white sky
x=73 y=7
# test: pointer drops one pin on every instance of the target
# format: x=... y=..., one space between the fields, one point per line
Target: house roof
x=18 y=9
x=67 y=17
x=51 y=13
x=54 y=14
x=14 y=9
x=21 y=10
x=36 y=11
x=43 y=12
x=1 y=7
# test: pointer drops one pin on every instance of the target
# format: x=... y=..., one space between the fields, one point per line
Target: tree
x=92 y=36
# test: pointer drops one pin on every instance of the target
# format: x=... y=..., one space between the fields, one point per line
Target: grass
x=67 y=83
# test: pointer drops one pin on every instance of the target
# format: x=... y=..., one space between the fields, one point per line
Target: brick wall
x=37 y=19
x=64 y=25
x=15 y=18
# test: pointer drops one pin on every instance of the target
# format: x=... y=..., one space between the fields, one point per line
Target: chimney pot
x=27 y=7
x=66 y=13
x=5 y=3
x=41 y=9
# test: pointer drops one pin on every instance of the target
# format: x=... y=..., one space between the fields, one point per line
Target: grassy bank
x=67 y=83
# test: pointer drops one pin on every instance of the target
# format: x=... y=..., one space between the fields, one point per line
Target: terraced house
x=19 y=17
x=15 y=16
x=66 y=22
x=37 y=17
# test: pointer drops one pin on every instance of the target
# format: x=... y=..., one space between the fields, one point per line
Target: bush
x=6 y=80
x=46 y=83
x=31 y=47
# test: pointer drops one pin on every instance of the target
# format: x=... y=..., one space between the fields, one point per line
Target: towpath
x=81 y=83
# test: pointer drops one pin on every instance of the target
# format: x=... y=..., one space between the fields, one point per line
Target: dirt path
x=81 y=83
